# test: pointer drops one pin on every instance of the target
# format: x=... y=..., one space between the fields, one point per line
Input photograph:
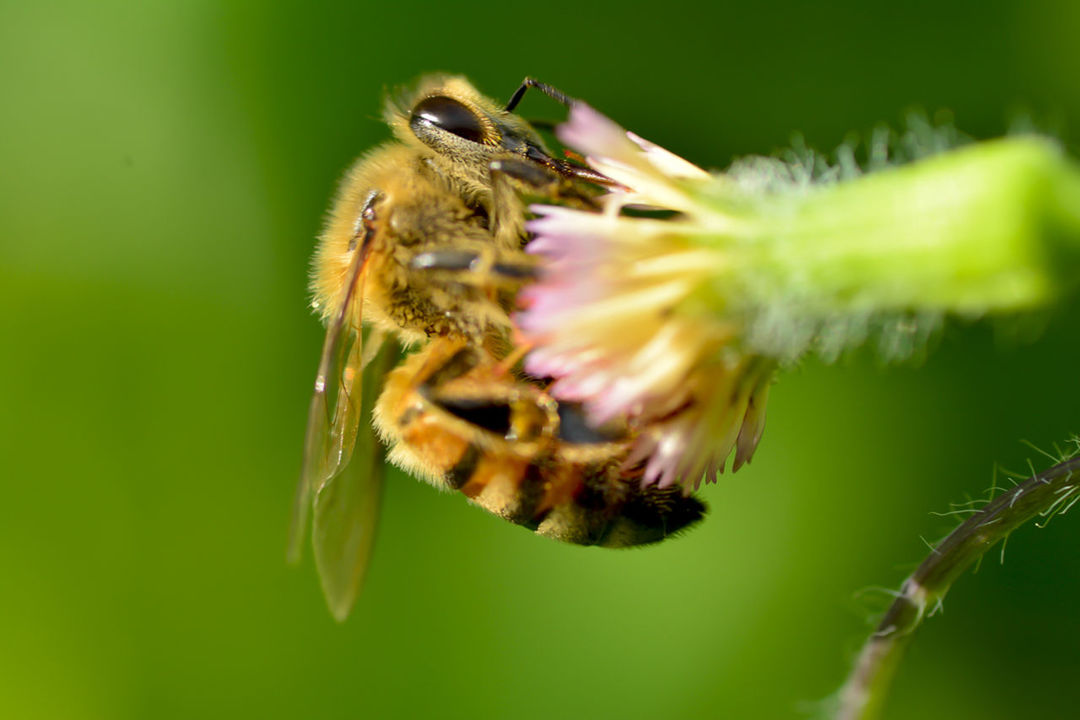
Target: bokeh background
x=164 y=167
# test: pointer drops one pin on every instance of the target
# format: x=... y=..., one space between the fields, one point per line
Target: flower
x=617 y=318
x=673 y=307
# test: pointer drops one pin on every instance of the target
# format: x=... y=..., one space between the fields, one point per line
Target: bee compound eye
x=449 y=115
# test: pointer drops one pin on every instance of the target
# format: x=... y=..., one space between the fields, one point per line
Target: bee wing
x=346 y=504
x=341 y=478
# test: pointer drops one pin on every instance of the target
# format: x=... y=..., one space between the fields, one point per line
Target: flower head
x=673 y=306
x=618 y=319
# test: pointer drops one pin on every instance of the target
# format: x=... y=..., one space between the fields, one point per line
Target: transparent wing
x=324 y=450
x=341 y=475
x=346 y=504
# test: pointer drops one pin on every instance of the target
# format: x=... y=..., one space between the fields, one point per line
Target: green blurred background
x=165 y=167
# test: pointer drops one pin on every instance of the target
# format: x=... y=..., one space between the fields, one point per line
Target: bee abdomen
x=584 y=505
x=512 y=488
x=615 y=512
x=652 y=515
x=452 y=418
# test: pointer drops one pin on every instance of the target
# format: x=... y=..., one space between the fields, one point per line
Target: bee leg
x=478 y=263
x=503 y=367
x=548 y=176
x=528 y=173
x=448 y=360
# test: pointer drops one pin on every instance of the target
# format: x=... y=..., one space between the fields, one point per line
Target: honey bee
x=423 y=249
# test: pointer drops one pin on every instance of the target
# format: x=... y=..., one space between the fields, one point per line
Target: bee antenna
x=557 y=95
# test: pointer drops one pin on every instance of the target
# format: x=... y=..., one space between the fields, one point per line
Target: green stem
x=1048 y=493
x=992 y=228
x=980 y=229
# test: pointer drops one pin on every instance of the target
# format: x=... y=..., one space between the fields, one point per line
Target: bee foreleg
x=548 y=177
x=529 y=173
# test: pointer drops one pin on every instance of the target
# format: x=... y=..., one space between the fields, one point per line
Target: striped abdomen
x=450 y=415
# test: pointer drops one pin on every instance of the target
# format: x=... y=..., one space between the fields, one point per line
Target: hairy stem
x=1047 y=494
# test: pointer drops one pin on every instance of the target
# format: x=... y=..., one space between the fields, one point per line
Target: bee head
x=450 y=117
